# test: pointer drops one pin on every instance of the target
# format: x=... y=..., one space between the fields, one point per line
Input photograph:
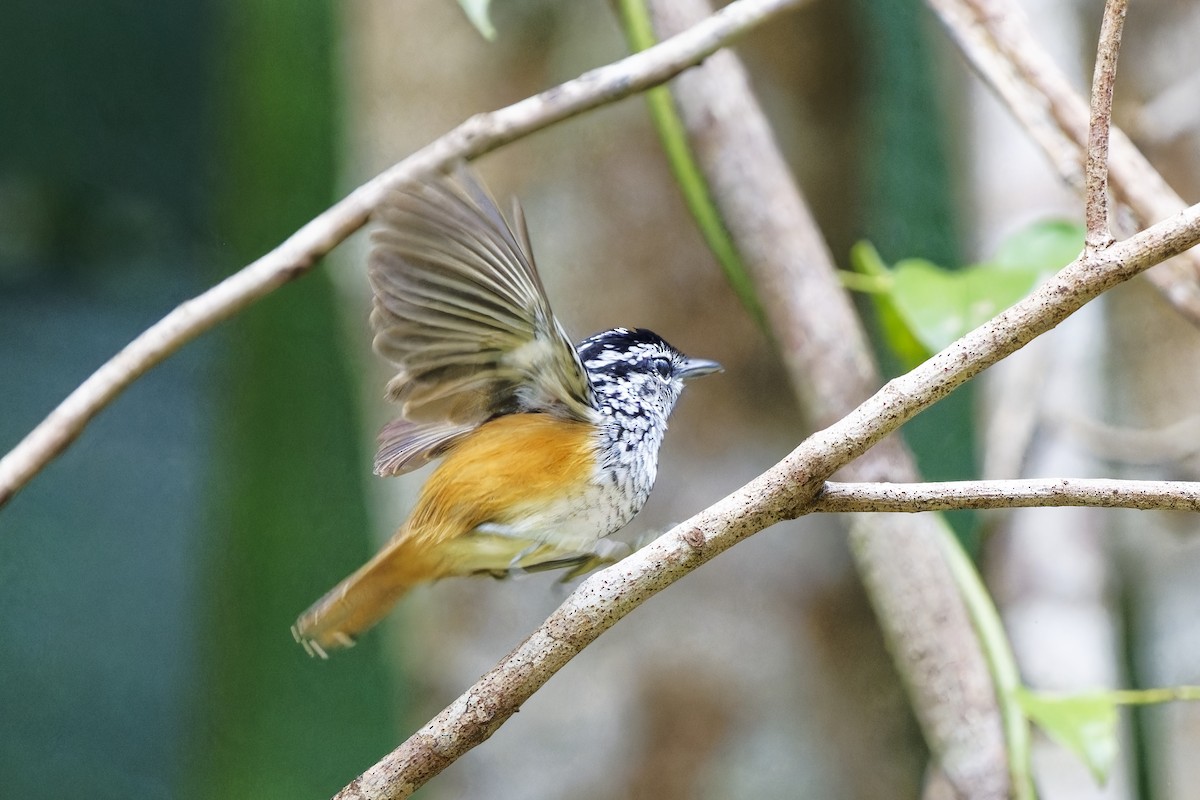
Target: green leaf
x=1084 y=724
x=477 y=12
x=922 y=308
x=939 y=306
x=1044 y=246
x=896 y=330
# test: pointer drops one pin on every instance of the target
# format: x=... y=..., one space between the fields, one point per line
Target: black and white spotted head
x=637 y=377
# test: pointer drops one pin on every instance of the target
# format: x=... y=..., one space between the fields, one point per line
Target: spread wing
x=461 y=312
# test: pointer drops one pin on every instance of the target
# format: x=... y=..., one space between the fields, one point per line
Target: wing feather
x=405 y=446
x=461 y=312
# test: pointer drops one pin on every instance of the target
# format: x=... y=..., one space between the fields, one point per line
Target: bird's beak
x=695 y=367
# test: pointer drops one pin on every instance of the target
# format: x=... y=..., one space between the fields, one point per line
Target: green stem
x=1143 y=697
x=1135 y=697
x=635 y=19
x=1001 y=662
x=867 y=284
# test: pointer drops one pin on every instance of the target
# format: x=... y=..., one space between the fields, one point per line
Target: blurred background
x=148 y=576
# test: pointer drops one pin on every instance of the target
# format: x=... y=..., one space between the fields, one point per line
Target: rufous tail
x=361 y=600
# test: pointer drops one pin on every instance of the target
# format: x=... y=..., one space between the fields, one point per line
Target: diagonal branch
x=785 y=491
x=301 y=251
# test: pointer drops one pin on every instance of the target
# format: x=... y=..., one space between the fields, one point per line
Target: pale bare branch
x=1100 y=121
x=1047 y=492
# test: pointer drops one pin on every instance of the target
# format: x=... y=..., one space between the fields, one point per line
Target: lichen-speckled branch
x=1095 y=170
x=1037 y=492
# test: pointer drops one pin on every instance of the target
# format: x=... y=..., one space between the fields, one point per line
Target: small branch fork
x=998 y=42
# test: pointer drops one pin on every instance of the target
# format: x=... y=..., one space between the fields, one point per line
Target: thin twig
x=996 y=39
x=783 y=492
x=1050 y=492
x=301 y=251
x=1096 y=167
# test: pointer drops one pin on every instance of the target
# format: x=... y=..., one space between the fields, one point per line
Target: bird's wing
x=405 y=446
x=460 y=310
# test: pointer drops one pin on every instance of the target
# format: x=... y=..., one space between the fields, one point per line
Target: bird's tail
x=361 y=600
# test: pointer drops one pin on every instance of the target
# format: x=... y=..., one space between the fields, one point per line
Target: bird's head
x=638 y=371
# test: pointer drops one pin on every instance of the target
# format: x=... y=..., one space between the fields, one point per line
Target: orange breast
x=508 y=463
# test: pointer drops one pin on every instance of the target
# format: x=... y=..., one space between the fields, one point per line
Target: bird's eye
x=663 y=367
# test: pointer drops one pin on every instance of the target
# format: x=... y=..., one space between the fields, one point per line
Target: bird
x=546 y=447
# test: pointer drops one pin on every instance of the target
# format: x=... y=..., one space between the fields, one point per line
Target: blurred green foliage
x=157 y=565
x=102 y=208
x=288 y=516
x=103 y=133
x=1084 y=724
x=922 y=308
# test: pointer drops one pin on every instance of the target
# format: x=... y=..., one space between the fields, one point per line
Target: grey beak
x=695 y=367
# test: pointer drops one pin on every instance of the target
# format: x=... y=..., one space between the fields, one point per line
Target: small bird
x=547 y=448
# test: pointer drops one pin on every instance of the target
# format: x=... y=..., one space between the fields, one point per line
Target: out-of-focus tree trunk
x=763 y=674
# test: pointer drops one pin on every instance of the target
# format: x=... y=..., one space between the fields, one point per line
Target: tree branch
x=1048 y=492
x=785 y=491
x=301 y=251
x=1096 y=167
x=997 y=41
